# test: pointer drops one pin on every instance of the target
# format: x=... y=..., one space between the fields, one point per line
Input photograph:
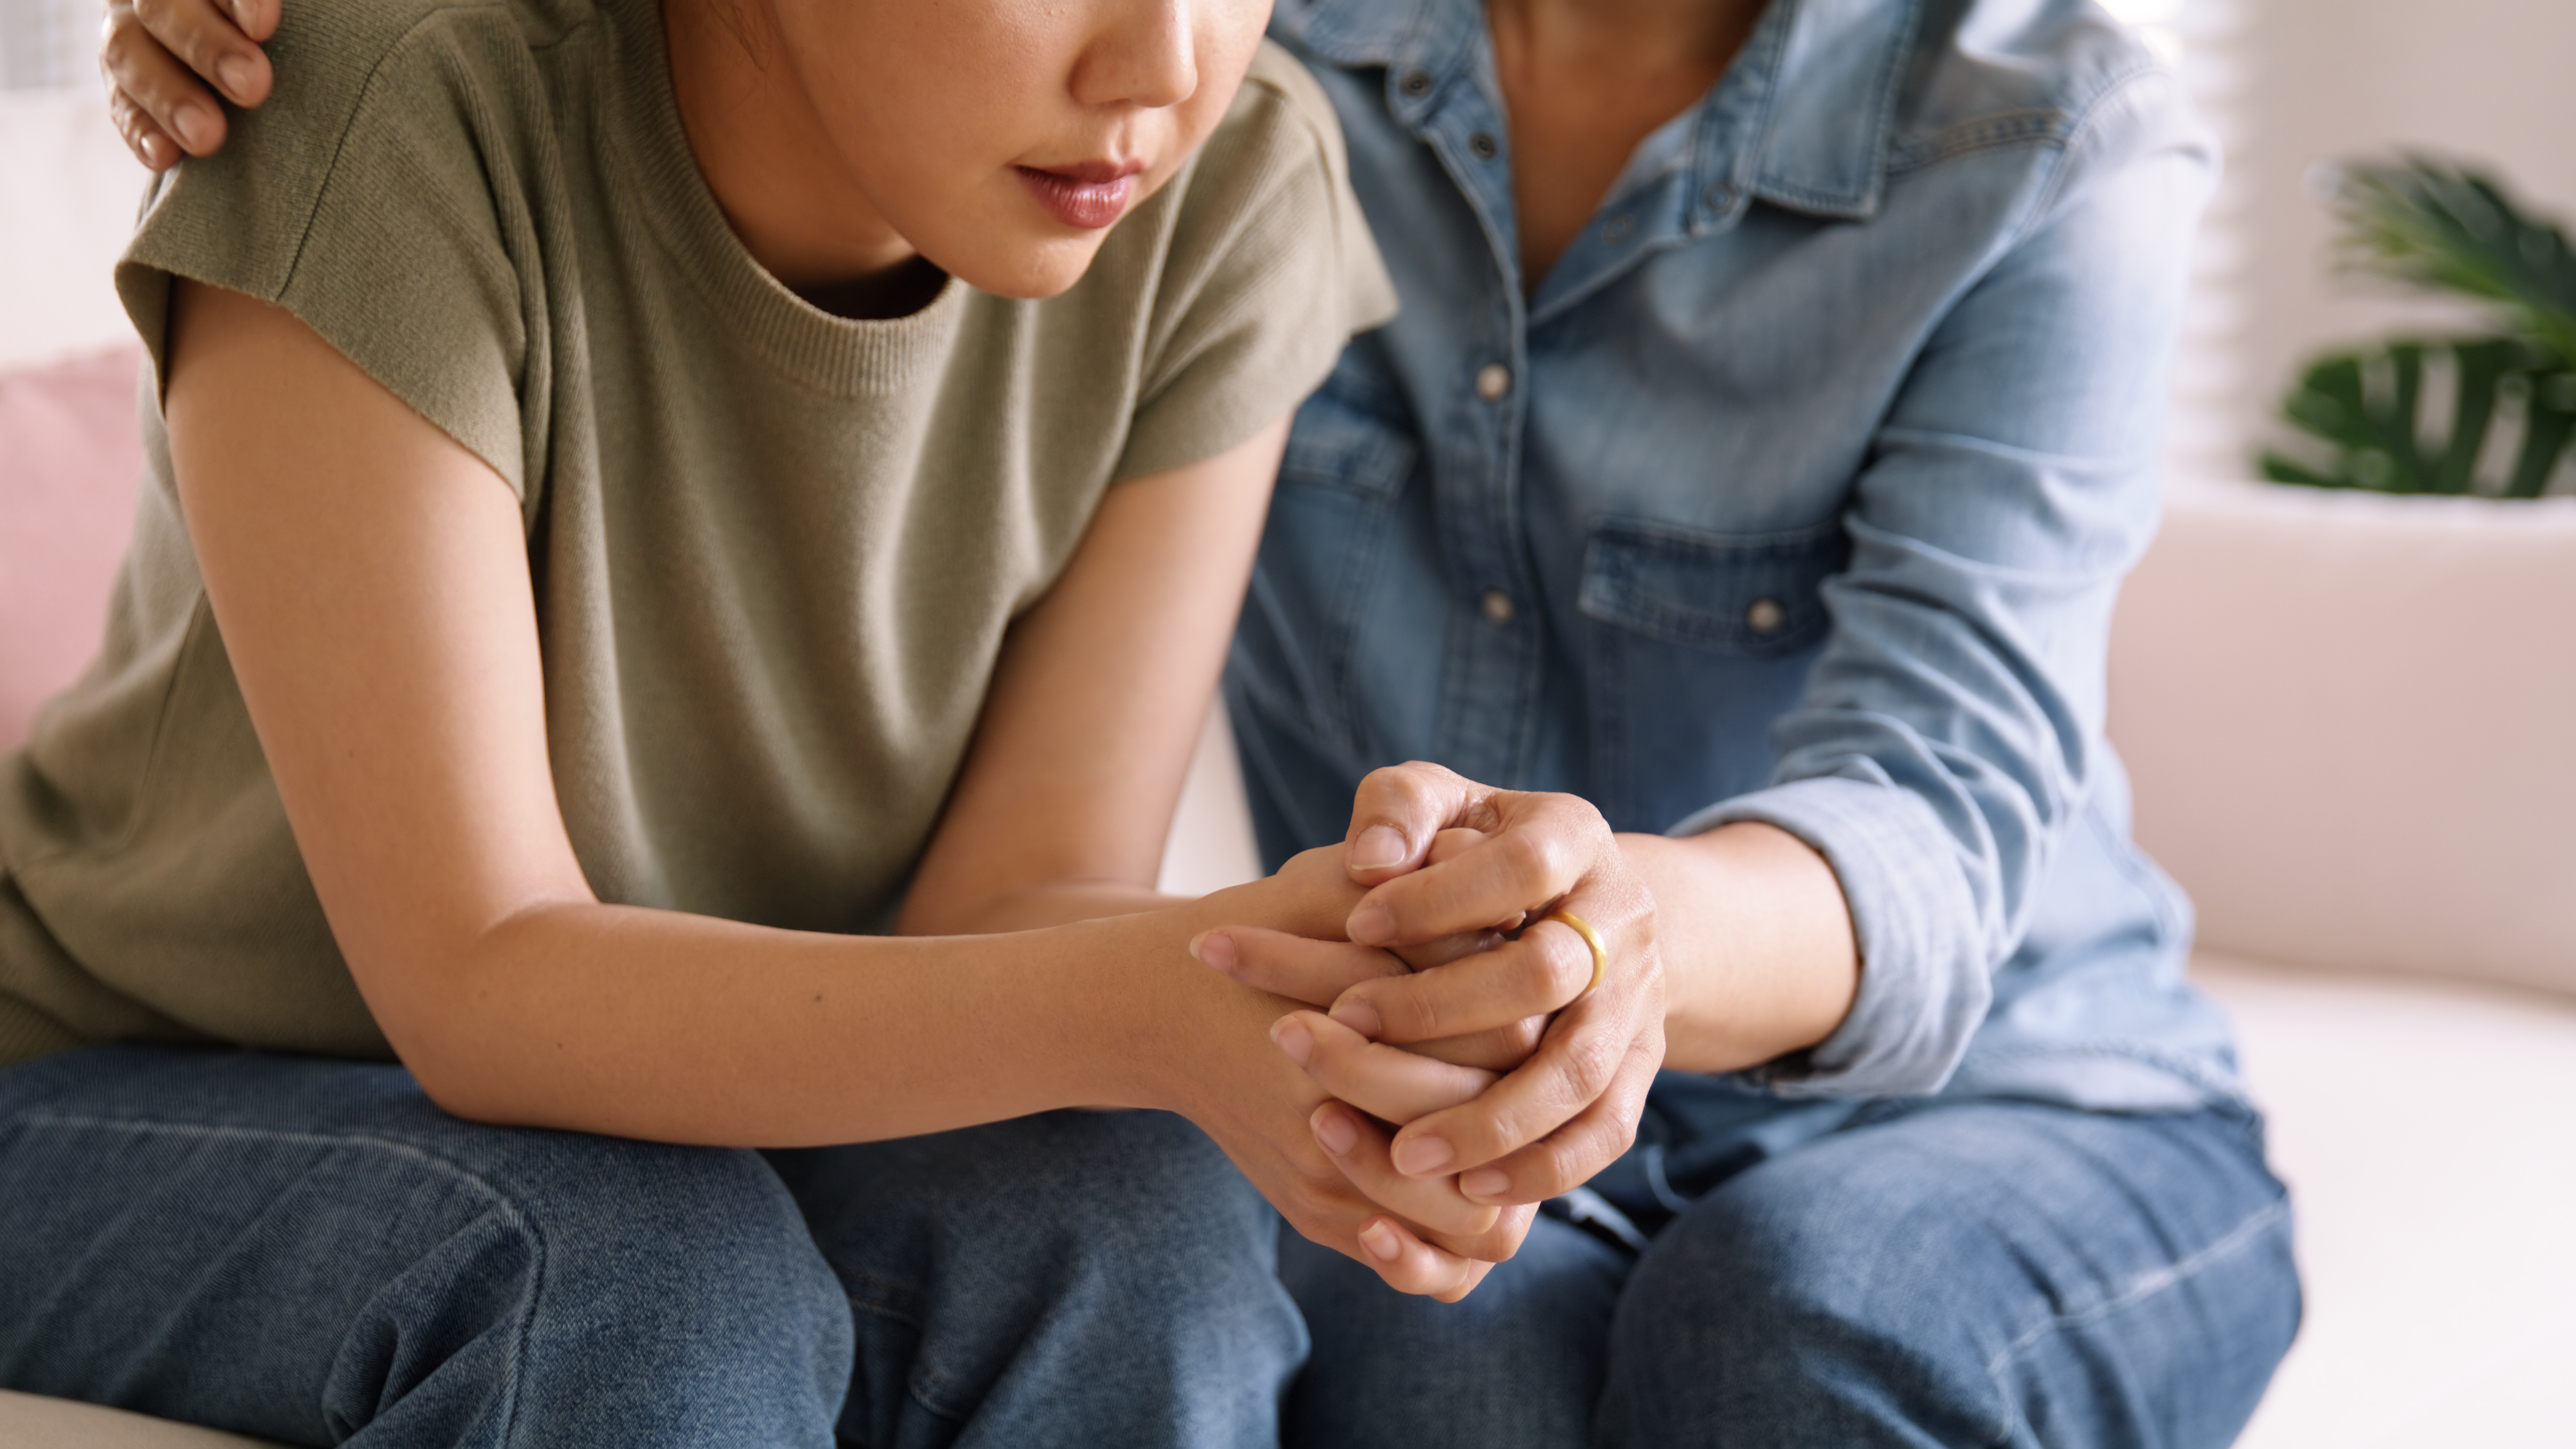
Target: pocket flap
x=1753 y=593
x=1336 y=445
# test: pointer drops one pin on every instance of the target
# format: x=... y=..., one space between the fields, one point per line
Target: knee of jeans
x=1149 y=1182
x=1142 y=1204
x=1766 y=1303
x=635 y=1267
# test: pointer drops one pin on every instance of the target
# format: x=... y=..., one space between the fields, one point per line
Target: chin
x=1031 y=270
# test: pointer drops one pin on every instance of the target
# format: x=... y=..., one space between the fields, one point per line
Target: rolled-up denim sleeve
x=1952 y=727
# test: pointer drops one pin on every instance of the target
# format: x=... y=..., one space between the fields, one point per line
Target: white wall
x=68 y=192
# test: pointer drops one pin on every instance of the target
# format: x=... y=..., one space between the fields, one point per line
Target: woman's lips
x=1090 y=196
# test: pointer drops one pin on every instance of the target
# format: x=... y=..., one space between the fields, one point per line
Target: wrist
x=1175 y=1025
x=1759 y=952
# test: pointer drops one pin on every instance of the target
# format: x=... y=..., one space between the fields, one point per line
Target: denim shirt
x=1798 y=491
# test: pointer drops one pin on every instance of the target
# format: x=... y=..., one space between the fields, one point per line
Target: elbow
x=457 y=1080
x=452 y=1019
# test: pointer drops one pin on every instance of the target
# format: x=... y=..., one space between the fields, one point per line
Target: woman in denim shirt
x=1772 y=416
x=1735 y=514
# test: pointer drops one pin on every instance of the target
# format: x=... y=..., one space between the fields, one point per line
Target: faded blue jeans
x=1933 y=1274
x=311 y=1252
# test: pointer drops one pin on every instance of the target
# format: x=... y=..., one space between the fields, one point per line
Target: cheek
x=1228 y=34
x=919 y=90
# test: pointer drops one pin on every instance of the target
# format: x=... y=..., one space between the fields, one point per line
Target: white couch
x=2352 y=725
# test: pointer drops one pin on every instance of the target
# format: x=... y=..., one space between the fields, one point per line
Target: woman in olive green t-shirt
x=641 y=498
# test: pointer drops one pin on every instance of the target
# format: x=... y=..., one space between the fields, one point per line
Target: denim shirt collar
x=1823 y=74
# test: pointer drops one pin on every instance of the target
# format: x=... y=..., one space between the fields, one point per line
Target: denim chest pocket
x=1747 y=594
x=1338 y=446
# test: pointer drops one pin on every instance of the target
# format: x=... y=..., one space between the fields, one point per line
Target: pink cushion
x=70 y=457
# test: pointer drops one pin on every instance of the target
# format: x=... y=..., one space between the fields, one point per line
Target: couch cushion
x=2422 y=1126
x=2351 y=720
x=73 y=457
x=29 y=1422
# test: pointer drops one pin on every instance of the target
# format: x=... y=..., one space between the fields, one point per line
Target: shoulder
x=335 y=63
x=369 y=198
x=1269 y=189
x=415 y=98
x=1281 y=128
x=1253 y=268
x=2063 y=74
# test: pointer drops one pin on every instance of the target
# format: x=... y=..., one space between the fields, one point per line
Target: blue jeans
x=311 y=1252
x=1931 y=1274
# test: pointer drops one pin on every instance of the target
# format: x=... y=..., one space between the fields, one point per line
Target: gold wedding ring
x=1591 y=938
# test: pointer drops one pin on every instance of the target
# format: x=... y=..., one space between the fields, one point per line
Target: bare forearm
x=657 y=1025
x=1759 y=957
x=1030 y=908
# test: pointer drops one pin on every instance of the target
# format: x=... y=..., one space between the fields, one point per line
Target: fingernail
x=1359 y=1016
x=1291 y=1037
x=1214 y=950
x=156 y=152
x=192 y=123
x=234 y=73
x=1378 y=846
x=1379 y=1239
x=1335 y=1129
x=1423 y=1155
x=1371 y=925
x=1485 y=1182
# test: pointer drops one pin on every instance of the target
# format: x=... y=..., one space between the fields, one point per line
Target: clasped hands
x=1470 y=1074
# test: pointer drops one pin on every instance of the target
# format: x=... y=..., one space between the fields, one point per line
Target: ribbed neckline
x=670 y=196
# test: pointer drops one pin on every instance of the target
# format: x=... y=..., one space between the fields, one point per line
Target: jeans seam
x=2244 y=1235
x=498 y=1200
x=921 y=1383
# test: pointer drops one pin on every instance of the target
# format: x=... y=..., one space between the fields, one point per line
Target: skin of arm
x=385 y=641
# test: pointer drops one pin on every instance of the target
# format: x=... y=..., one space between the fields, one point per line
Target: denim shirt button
x=1765 y=616
x=1492 y=381
x=1618 y=229
x=1484 y=145
x=1417 y=83
x=1720 y=194
x=1498 y=607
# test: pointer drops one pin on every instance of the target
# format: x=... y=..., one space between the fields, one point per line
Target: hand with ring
x=1548 y=971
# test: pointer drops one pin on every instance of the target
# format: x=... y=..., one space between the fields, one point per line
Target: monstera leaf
x=2488 y=414
x=2501 y=413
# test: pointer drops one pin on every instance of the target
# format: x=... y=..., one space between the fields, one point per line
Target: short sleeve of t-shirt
x=373 y=197
x=1270 y=272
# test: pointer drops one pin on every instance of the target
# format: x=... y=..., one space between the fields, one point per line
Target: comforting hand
x=1324 y=1166
x=148 y=50
x=1317 y=972
x=1569 y=1109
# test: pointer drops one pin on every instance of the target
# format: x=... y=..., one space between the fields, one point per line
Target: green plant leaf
x=2501 y=408
x=2445 y=228
x=2364 y=414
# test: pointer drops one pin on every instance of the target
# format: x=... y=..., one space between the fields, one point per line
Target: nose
x=1144 y=54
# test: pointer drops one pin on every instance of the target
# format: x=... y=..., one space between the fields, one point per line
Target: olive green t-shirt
x=774 y=551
